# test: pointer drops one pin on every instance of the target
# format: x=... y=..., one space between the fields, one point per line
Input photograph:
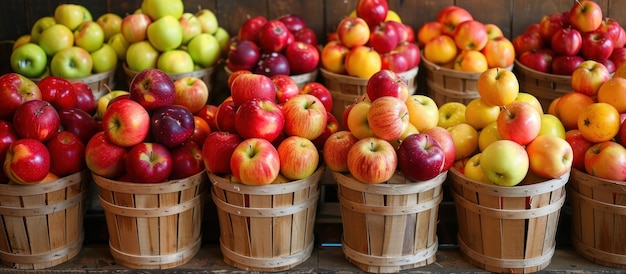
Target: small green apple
x=208 y=21
x=222 y=37
x=204 y=50
x=119 y=44
x=190 y=25
x=165 y=33
x=69 y=15
x=175 y=61
x=71 y=63
x=40 y=25
x=89 y=35
x=104 y=59
x=141 y=55
x=156 y=9
x=110 y=23
x=29 y=60
x=505 y=162
x=56 y=38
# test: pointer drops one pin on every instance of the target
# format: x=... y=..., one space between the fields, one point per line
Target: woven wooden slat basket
x=347 y=89
x=100 y=83
x=266 y=228
x=153 y=226
x=598 y=218
x=391 y=226
x=449 y=85
x=508 y=229
x=300 y=79
x=42 y=224
x=546 y=87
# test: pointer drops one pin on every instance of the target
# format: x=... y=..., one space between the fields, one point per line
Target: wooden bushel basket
x=449 y=85
x=42 y=224
x=598 y=218
x=391 y=226
x=546 y=87
x=347 y=89
x=508 y=229
x=266 y=228
x=153 y=226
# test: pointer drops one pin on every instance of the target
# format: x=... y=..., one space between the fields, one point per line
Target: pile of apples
x=593 y=117
x=285 y=45
x=388 y=131
x=268 y=130
x=456 y=41
x=162 y=35
x=152 y=132
x=372 y=38
x=44 y=128
x=504 y=137
x=561 y=41
x=67 y=44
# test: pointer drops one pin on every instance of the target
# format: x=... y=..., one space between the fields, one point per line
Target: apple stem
x=508 y=112
x=578 y=2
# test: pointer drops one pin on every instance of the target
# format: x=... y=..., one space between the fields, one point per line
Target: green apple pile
x=504 y=137
x=67 y=44
x=163 y=35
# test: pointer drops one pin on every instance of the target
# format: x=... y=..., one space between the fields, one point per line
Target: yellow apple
x=357 y=120
x=451 y=113
x=531 y=99
x=488 y=135
x=465 y=140
x=471 y=61
x=498 y=86
x=423 y=112
x=440 y=50
x=473 y=171
x=551 y=125
x=480 y=114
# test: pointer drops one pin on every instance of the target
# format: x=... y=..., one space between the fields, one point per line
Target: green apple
x=165 y=33
x=40 y=25
x=56 y=38
x=175 y=61
x=505 y=162
x=103 y=102
x=110 y=23
x=141 y=55
x=190 y=25
x=204 y=50
x=104 y=59
x=86 y=14
x=71 y=63
x=208 y=21
x=29 y=60
x=119 y=44
x=69 y=15
x=451 y=113
x=222 y=37
x=156 y=9
x=89 y=35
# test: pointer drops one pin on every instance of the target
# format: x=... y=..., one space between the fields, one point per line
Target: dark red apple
x=527 y=41
x=273 y=36
x=67 y=153
x=243 y=55
x=186 y=161
x=217 y=149
x=249 y=30
x=550 y=24
x=271 y=64
x=225 y=116
x=566 y=41
x=36 y=119
x=58 y=91
x=539 y=60
x=85 y=98
x=565 y=65
x=420 y=157
x=172 y=125
x=149 y=163
x=152 y=88
x=79 y=122
x=302 y=57
x=372 y=11
x=597 y=45
x=384 y=38
x=293 y=22
x=306 y=35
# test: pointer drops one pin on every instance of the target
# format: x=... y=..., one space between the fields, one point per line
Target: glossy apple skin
x=217 y=150
x=372 y=160
x=332 y=126
x=248 y=86
x=320 y=91
x=79 y=122
x=36 y=119
x=302 y=57
x=14 y=90
x=172 y=125
x=255 y=161
x=186 y=161
x=273 y=36
x=85 y=98
x=243 y=55
x=153 y=89
x=104 y=158
x=126 y=123
x=259 y=118
x=67 y=154
x=305 y=116
x=58 y=91
x=149 y=163
x=271 y=64
x=27 y=161
x=249 y=30
x=420 y=157
x=7 y=137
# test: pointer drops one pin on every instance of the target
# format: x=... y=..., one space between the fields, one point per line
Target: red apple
x=273 y=36
x=615 y=30
x=36 y=119
x=243 y=55
x=27 y=161
x=80 y=123
x=372 y=160
x=306 y=35
x=14 y=90
x=186 y=161
x=332 y=126
x=302 y=57
x=405 y=32
x=540 y=60
x=372 y=11
x=67 y=153
x=596 y=45
x=519 y=122
x=585 y=15
x=579 y=146
x=394 y=61
x=527 y=41
x=298 y=156
x=250 y=28
x=7 y=137
x=383 y=37
x=412 y=53
x=85 y=98
x=104 y=158
x=58 y=91
x=589 y=76
x=387 y=83
x=192 y=93
x=172 y=125
x=305 y=116
x=255 y=161
x=565 y=65
x=551 y=24
x=606 y=160
x=225 y=116
x=126 y=123
x=149 y=163
x=451 y=16
x=566 y=41
x=335 y=150
x=320 y=91
x=259 y=118
x=444 y=137
x=618 y=57
x=420 y=157
x=134 y=27
x=388 y=117
x=293 y=22
x=286 y=87
x=273 y=63
x=200 y=132
x=208 y=114
x=217 y=150
x=152 y=88
x=248 y=86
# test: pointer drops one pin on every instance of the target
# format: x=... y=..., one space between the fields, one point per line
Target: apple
x=450 y=17
x=273 y=36
x=479 y=114
x=208 y=21
x=187 y=161
x=149 y=163
x=320 y=91
x=488 y=135
x=362 y=62
x=73 y=62
x=302 y=57
x=428 y=31
x=273 y=63
x=445 y=140
x=190 y=26
x=551 y=24
x=286 y=88
x=141 y=55
x=293 y=22
x=610 y=66
x=394 y=61
x=56 y=38
x=596 y=45
x=259 y=118
x=298 y=156
x=333 y=56
x=606 y=160
x=172 y=125
x=205 y=50
x=27 y=161
x=589 y=76
x=153 y=89
x=388 y=117
x=335 y=150
x=200 y=132
x=332 y=126
x=566 y=41
x=225 y=116
x=217 y=150
x=505 y=162
x=441 y=50
x=471 y=35
x=499 y=52
x=569 y=107
x=255 y=161
x=372 y=11
x=612 y=92
x=306 y=35
x=89 y=35
x=192 y=93
x=250 y=28
x=372 y=160
x=248 y=86
x=551 y=125
x=103 y=102
x=67 y=153
x=579 y=146
x=159 y=8
x=465 y=140
x=39 y=26
x=565 y=65
x=126 y=123
x=353 y=31
x=104 y=158
x=16 y=89
x=384 y=37
x=70 y=15
x=134 y=27
x=7 y=137
x=615 y=30
x=104 y=59
x=165 y=33
x=305 y=116
x=527 y=41
x=599 y=122
x=356 y=119
x=423 y=112
x=387 y=83
x=79 y=122
x=420 y=157
x=110 y=23
x=175 y=61
x=451 y=113
x=59 y=92
x=497 y=86
x=244 y=55
x=36 y=119
x=519 y=122
x=585 y=15
x=29 y=60
x=549 y=156
x=473 y=171
x=207 y=113
x=471 y=61
x=539 y=60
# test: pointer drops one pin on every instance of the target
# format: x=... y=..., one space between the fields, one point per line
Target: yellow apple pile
x=504 y=137
x=67 y=44
x=592 y=115
x=457 y=41
x=162 y=35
